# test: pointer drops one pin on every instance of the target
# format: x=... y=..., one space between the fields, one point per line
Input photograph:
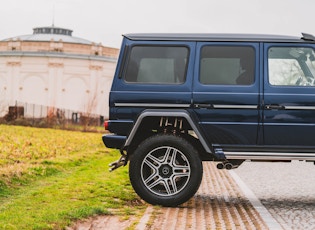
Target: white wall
x=71 y=83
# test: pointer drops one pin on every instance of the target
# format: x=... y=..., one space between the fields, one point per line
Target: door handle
x=275 y=107
x=204 y=106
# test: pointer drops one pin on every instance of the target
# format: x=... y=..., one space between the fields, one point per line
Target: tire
x=165 y=170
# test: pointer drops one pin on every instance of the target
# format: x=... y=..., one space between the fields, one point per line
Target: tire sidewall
x=176 y=142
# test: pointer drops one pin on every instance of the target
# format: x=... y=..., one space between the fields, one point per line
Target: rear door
x=226 y=92
x=153 y=74
x=289 y=95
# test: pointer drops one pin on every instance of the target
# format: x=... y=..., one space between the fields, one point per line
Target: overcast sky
x=104 y=21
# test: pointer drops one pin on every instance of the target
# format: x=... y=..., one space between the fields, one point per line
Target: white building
x=52 y=68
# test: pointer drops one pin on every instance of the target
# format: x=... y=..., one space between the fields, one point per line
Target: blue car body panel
x=257 y=116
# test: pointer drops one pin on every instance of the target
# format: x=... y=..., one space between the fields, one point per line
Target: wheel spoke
x=173 y=157
x=152 y=176
x=166 y=156
x=173 y=183
x=167 y=187
x=154 y=183
x=181 y=174
x=181 y=171
x=153 y=166
x=182 y=168
x=155 y=161
x=150 y=164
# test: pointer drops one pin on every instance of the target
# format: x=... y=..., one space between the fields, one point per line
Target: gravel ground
x=287 y=190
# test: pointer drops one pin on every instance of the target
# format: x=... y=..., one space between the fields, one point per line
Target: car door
x=226 y=92
x=289 y=95
x=155 y=74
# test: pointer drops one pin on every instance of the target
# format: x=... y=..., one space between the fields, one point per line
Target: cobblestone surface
x=218 y=204
x=287 y=190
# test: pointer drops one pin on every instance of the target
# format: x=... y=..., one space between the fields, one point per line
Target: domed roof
x=50 y=33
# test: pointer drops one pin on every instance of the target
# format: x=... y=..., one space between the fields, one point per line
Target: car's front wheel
x=165 y=170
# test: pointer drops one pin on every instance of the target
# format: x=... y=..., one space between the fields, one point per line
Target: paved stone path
x=218 y=204
x=287 y=190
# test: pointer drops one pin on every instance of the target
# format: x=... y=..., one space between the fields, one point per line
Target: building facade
x=52 y=68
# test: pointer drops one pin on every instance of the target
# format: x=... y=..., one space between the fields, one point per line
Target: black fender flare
x=167 y=113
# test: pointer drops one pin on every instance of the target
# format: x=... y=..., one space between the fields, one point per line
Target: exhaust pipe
x=230 y=166
x=221 y=166
x=227 y=165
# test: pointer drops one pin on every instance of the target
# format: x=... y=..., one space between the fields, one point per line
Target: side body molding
x=167 y=113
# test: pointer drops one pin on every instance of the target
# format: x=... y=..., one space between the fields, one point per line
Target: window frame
x=288 y=45
x=228 y=45
x=126 y=60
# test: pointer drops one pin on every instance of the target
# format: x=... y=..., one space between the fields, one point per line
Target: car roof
x=219 y=37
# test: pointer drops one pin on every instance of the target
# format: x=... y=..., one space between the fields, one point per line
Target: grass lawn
x=51 y=178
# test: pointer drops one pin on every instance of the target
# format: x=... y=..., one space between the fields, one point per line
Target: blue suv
x=179 y=99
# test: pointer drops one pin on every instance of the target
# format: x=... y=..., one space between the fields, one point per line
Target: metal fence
x=47 y=116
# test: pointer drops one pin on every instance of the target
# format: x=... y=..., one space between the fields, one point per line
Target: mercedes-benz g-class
x=179 y=99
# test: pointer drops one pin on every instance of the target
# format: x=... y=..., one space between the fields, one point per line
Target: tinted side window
x=157 y=64
x=291 y=66
x=227 y=65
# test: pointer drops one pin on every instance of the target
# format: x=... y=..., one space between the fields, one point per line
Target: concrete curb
x=264 y=213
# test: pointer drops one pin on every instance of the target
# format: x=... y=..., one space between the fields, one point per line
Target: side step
x=235 y=159
x=269 y=156
x=264 y=153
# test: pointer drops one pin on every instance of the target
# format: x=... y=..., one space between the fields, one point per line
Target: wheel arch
x=157 y=114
